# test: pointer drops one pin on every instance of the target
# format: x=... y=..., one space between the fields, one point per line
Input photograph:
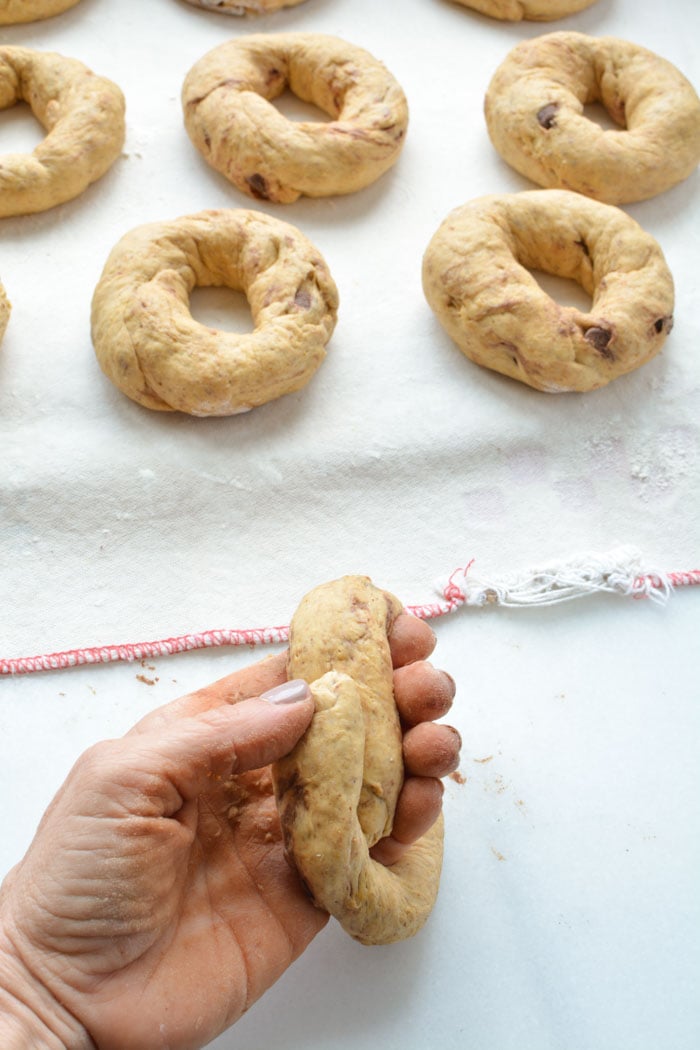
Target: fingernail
x=288 y=693
x=453 y=684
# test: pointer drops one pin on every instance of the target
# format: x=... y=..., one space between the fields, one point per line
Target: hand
x=155 y=903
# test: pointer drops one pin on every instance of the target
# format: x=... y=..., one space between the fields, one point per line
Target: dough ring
x=337 y=790
x=150 y=346
x=227 y=101
x=5 y=308
x=14 y=11
x=476 y=279
x=83 y=115
x=534 y=111
x=529 y=10
x=243 y=7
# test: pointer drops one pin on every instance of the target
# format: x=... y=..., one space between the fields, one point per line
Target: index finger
x=410 y=639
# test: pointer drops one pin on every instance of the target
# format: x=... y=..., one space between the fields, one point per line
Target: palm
x=217 y=915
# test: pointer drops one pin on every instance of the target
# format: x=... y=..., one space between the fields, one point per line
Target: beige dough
x=337 y=790
x=534 y=111
x=529 y=10
x=227 y=101
x=244 y=7
x=476 y=278
x=150 y=346
x=5 y=309
x=83 y=115
x=14 y=11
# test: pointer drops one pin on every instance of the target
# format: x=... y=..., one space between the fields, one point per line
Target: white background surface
x=569 y=911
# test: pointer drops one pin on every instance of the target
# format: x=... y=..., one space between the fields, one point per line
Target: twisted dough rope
x=337 y=790
x=615 y=572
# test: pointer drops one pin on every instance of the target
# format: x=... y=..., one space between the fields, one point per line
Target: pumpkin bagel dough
x=528 y=10
x=534 y=110
x=243 y=7
x=337 y=790
x=476 y=278
x=227 y=100
x=14 y=11
x=150 y=346
x=83 y=115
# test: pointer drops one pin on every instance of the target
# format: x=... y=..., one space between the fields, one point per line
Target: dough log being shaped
x=150 y=346
x=83 y=115
x=229 y=114
x=476 y=278
x=534 y=111
x=15 y=11
x=243 y=7
x=529 y=10
x=337 y=790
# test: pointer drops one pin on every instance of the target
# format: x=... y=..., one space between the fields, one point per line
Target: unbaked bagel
x=227 y=100
x=528 y=10
x=534 y=110
x=150 y=346
x=476 y=277
x=243 y=7
x=337 y=790
x=83 y=115
x=15 y=11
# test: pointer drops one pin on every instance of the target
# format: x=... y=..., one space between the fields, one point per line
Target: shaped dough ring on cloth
x=227 y=101
x=243 y=7
x=528 y=10
x=337 y=790
x=476 y=278
x=83 y=115
x=15 y=11
x=150 y=346
x=534 y=110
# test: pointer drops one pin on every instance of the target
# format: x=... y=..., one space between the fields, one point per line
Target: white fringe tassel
x=618 y=571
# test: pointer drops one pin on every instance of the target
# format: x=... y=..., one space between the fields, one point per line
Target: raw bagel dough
x=150 y=346
x=534 y=110
x=227 y=101
x=15 y=11
x=83 y=115
x=530 y=10
x=337 y=790
x=243 y=7
x=476 y=278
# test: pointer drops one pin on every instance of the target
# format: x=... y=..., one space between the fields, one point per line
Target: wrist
x=30 y=1016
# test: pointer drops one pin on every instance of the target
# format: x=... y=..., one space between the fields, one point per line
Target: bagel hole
x=293 y=108
x=597 y=113
x=563 y=290
x=20 y=131
x=221 y=308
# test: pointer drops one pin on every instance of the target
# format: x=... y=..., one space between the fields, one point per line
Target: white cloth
x=567 y=915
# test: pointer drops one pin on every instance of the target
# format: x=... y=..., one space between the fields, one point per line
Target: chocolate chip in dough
x=546 y=116
x=599 y=339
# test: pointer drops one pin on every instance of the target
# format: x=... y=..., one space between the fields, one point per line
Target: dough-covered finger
x=431 y=750
x=419 y=806
x=422 y=692
x=410 y=639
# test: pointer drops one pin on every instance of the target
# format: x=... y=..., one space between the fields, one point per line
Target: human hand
x=155 y=903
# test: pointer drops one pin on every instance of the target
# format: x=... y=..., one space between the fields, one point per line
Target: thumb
x=158 y=771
